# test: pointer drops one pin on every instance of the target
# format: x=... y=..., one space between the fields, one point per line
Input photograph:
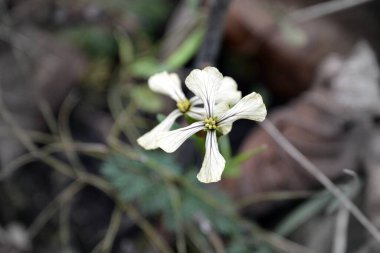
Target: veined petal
x=204 y=84
x=249 y=107
x=213 y=162
x=225 y=129
x=196 y=101
x=197 y=113
x=228 y=92
x=220 y=109
x=170 y=141
x=149 y=140
x=167 y=84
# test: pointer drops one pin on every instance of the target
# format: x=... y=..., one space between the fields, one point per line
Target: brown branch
x=209 y=50
x=322 y=9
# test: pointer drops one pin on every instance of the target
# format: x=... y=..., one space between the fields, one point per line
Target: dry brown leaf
x=320 y=125
x=287 y=54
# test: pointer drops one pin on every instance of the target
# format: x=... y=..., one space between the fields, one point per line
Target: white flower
x=228 y=92
x=205 y=84
x=170 y=85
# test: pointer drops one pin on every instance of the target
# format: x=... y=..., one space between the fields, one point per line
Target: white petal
x=228 y=92
x=167 y=84
x=225 y=129
x=249 y=107
x=204 y=84
x=197 y=113
x=196 y=101
x=213 y=162
x=170 y=141
x=149 y=140
x=220 y=109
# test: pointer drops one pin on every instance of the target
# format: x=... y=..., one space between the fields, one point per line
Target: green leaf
x=232 y=168
x=146 y=100
x=147 y=66
x=126 y=51
x=95 y=40
x=142 y=182
x=350 y=189
x=303 y=213
x=225 y=146
x=310 y=208
x=186 y=50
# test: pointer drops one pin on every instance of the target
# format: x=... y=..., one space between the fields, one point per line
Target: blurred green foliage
x=149 y=185
x=233 y=163
x=96 y=41
x=146 y=100
x=148 y=65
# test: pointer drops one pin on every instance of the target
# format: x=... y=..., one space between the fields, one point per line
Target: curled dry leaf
x=319 y=125
x=287 y=53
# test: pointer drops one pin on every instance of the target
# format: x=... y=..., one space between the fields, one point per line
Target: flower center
x=210 y=124
x=183 y=105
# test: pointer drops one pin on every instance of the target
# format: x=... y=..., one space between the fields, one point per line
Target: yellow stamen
x=183 y=105
x=210 y=124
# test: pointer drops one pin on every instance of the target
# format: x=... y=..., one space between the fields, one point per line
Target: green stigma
x=210 y=124
x=183 y=105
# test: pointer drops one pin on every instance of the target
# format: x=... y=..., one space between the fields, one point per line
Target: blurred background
x=74 y=99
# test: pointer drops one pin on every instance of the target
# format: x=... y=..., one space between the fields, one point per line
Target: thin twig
x=9 y=34
x=65 y=132
x=197 y=238
x=275 y=240
x=148 y=229
x=323 y=9
x=15 y=164
x=36 y=136
x=64 y=226
x=82 y=177
x=206 y=228
x=209 y=50
x=322 y=178
x=47 y=113
x=95 y=150
x=105 y=246
x=53 y=207
x=123 y=116
x=340 y=239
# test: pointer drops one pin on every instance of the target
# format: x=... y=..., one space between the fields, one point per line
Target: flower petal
x=204 y=84
x=225 y=129
x=220 y=109
x=249 y=107
x=228 y=92
x=167 y=84
x=149 y=140
x=170 y=141
x=213 y=162
x=196 y=113
x=196 y=101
